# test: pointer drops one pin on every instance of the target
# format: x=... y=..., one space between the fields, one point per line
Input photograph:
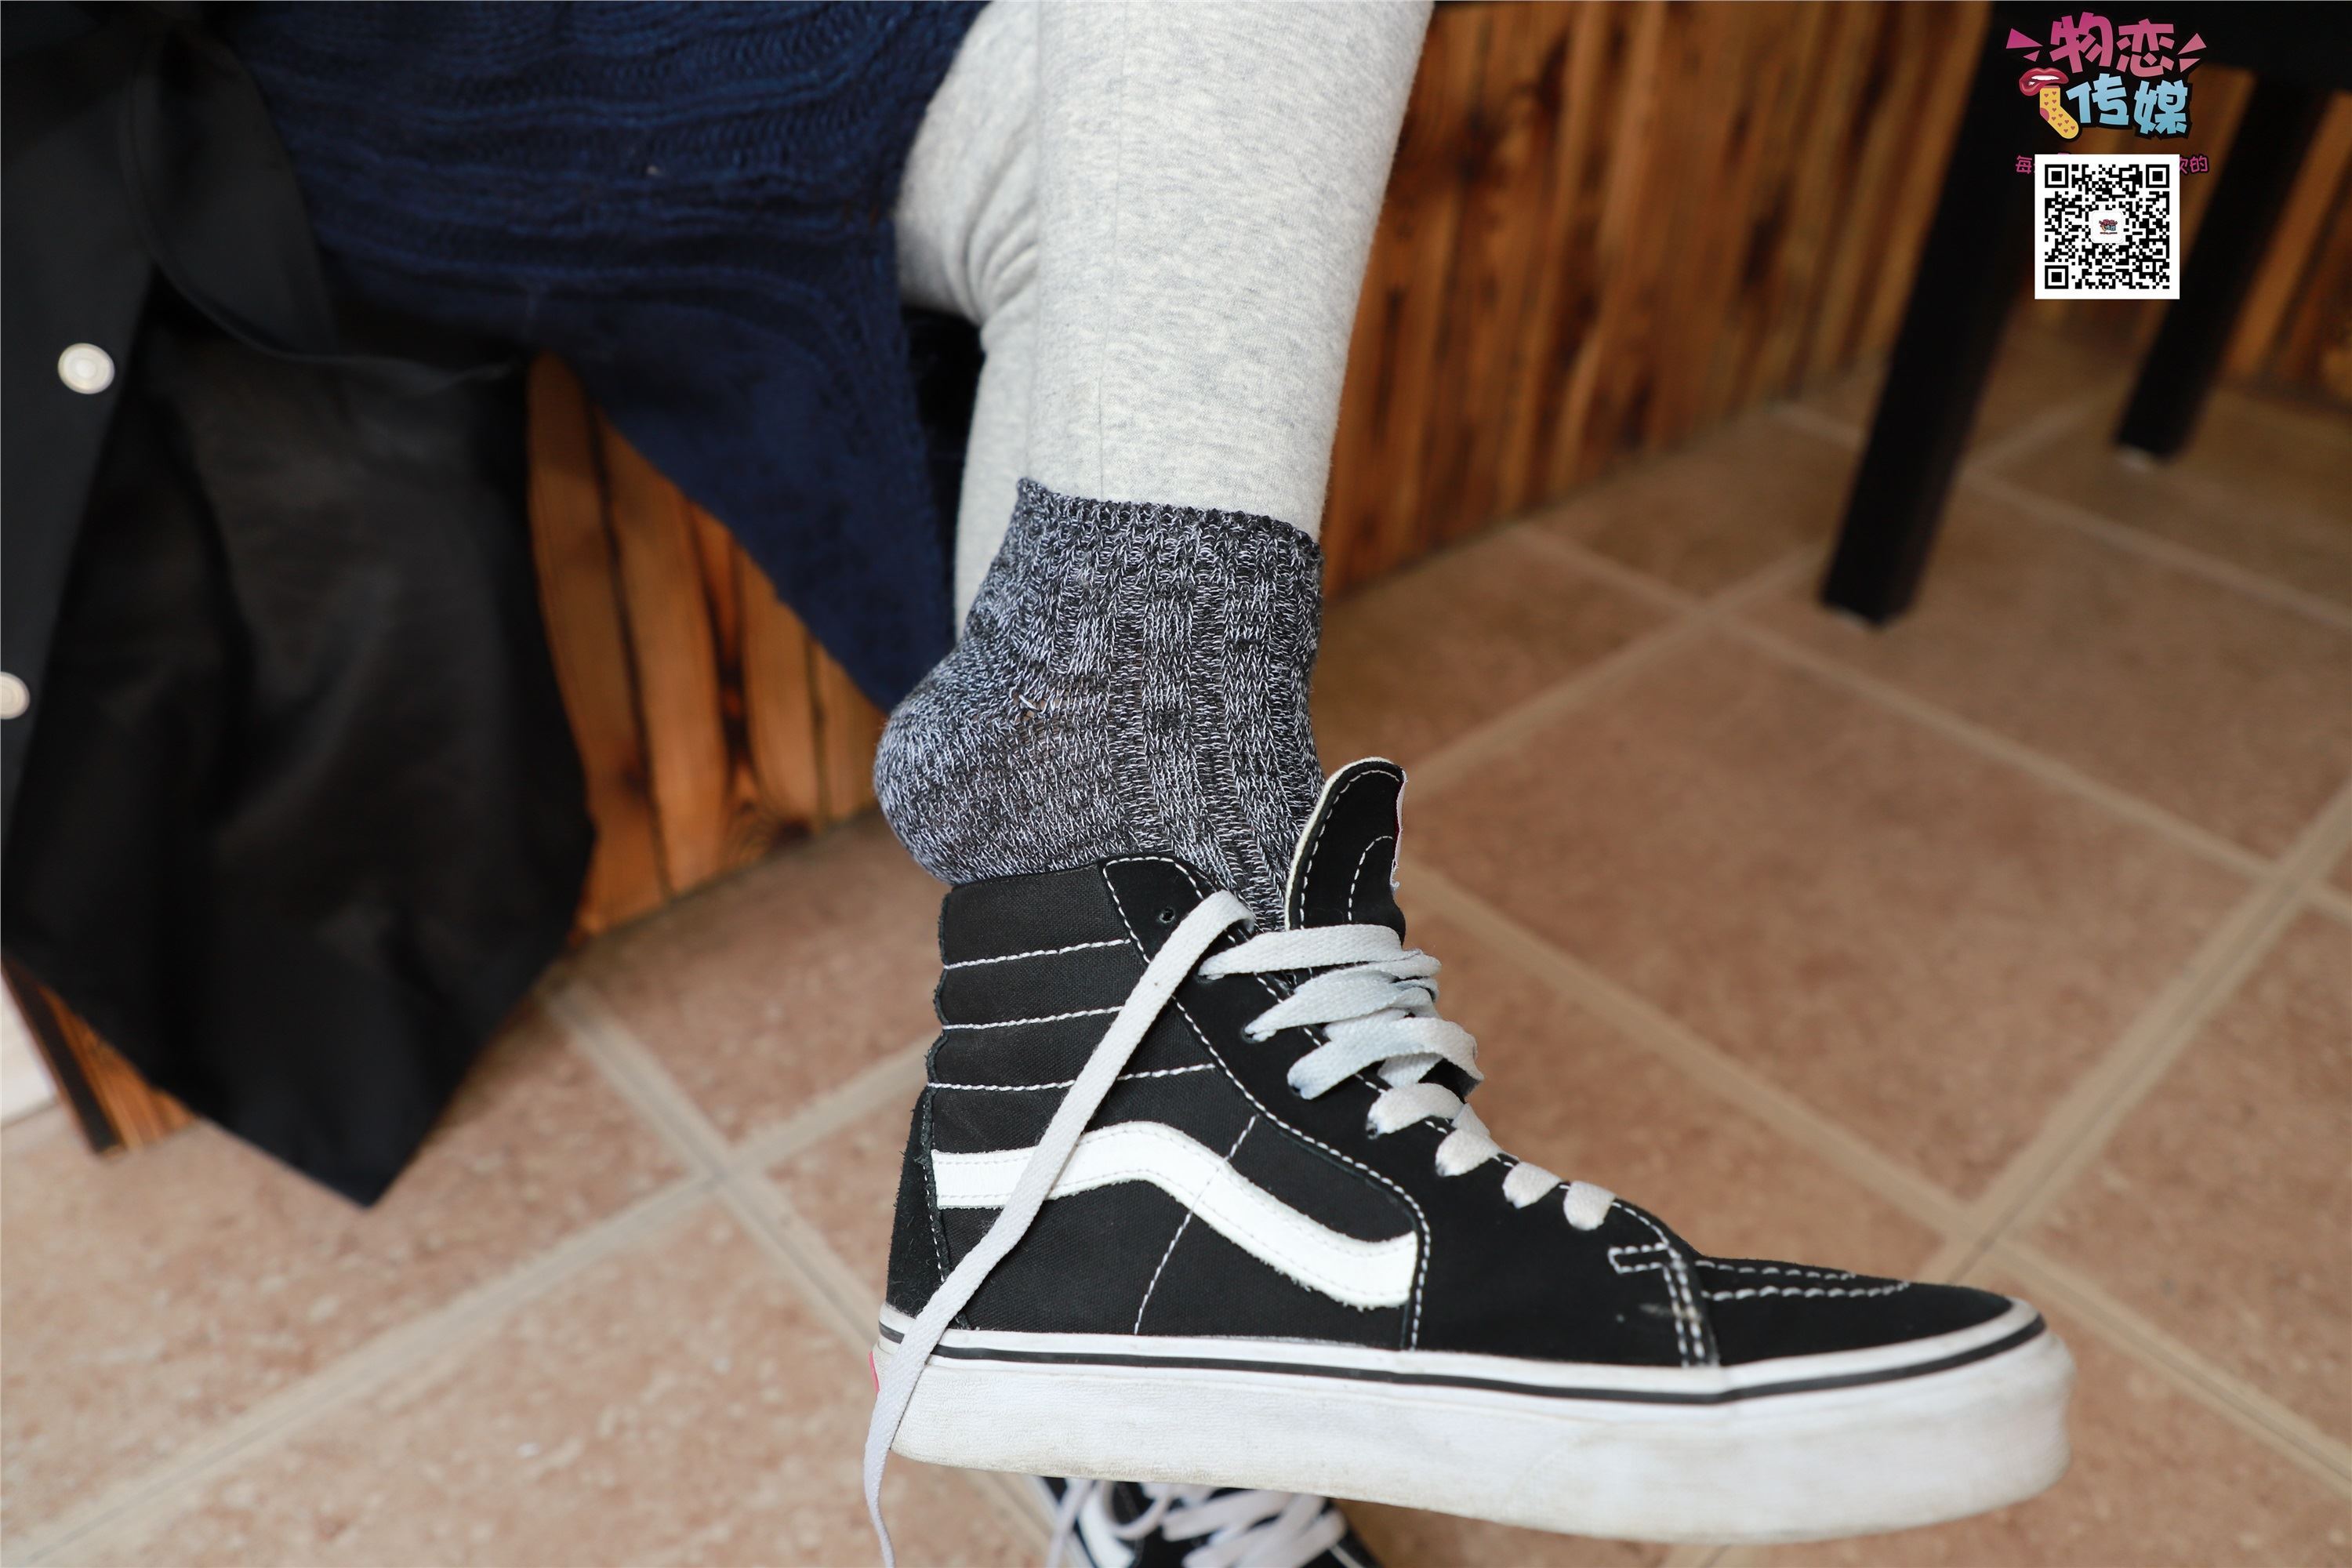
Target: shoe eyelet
x=1166 y=917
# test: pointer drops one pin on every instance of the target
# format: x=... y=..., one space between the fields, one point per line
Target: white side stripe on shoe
x=1181 y=948
x=1344 y=1268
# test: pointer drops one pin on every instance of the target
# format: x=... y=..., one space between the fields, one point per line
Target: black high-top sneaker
x=1190 y=1204
x=1152 y=1524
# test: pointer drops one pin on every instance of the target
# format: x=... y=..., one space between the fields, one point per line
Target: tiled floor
x=2012 y=946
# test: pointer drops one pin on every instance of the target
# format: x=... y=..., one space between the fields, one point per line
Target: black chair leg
x=1970 y=270
x=2259 y=171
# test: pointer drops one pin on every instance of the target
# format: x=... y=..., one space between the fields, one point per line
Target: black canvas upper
x=1127 y=1259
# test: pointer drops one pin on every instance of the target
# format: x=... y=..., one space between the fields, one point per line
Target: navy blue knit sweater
x=688 y=203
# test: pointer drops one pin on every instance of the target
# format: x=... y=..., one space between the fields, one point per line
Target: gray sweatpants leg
x=1158 y=215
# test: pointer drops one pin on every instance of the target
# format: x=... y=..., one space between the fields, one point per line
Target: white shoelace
x=1374 y=999
x=1377 y=1008
x=1243 y=1529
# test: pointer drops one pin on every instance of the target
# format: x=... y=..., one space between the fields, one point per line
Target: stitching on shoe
x=1420 y=1220
x=1307 y=871
x=1357 y=881
x=1742 y=1295
x=1789 y=1268
x=1618 y=1254
x=1180 y=1226
x=1119 y=904
x=1044 y=1018
x=1701 y=1332
x=1034 y=953
x=1702 y=1335
x=1680 y=1299
x=1064 y=1083
x=931 y=1204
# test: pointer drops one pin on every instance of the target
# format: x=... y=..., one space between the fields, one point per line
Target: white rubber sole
x=1796 y=1449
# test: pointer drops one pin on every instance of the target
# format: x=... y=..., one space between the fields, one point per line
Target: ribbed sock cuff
x=1132 y=678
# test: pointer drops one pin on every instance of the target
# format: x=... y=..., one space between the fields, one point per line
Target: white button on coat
x=15 y=696
x=86 y=368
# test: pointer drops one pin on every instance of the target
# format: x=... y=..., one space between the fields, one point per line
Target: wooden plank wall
x=117 y=1110
x=711 y=726
x=1610 y=226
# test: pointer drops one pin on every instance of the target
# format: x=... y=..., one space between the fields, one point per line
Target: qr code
x=2106 y=226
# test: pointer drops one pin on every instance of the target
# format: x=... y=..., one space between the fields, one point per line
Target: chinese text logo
x=2097 y=73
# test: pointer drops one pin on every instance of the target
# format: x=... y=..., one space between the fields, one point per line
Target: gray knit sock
x=1131 y=677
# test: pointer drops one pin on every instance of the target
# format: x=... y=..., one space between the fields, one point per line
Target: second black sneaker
x=1155 y=1524
x=1190 y=1204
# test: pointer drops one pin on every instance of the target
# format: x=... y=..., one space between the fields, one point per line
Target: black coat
x=292 y=815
